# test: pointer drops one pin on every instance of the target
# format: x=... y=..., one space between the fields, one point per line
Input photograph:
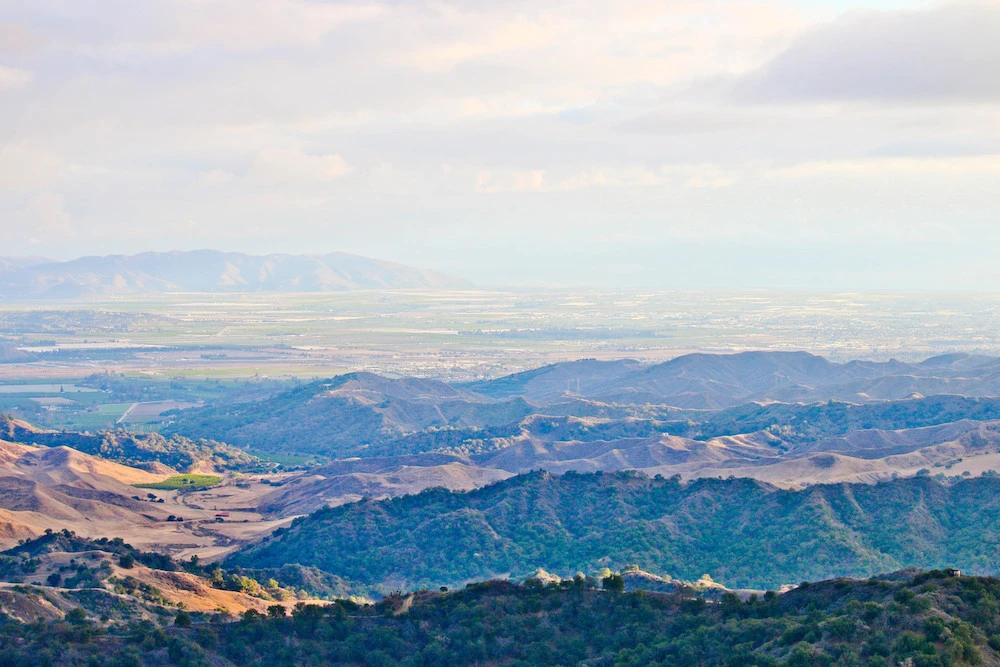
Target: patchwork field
x=467 y=334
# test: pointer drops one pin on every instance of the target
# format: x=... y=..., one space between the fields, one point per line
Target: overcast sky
x=726 y=143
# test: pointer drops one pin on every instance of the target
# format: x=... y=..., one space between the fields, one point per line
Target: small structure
x=221 y=516
x=952 y=572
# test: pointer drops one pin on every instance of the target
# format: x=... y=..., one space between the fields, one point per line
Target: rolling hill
x=210 y=271
x=54 y=488
x=61 y=488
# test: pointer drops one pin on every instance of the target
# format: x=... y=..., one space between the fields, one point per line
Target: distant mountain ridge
x=210 y=271
x=715 y=381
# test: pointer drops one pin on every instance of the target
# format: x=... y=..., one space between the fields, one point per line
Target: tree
x=76 y=616
x=126 y=561
x=182 y=619
x=276 y=611
x=614 y=583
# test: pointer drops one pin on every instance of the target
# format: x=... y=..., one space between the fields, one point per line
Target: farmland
x=464 y=335
x=178 y=482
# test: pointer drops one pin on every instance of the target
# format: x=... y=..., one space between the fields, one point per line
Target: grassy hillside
x=927 y=620
x=744 y=533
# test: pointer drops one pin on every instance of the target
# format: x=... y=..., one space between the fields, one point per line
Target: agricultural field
x=179 y=482
x=463 y=335
x=108 y=401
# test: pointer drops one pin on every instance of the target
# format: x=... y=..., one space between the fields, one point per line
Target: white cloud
x=290 y=166
x=539 y=180
x=215 y=177
x=695 y=176
x=956 y=166
x=45 y=216
x=951 y=52
x=25 y=167
x=12 y=78
x=15 y=38
x=117 y=29
x=249 y=25
x=708 y=176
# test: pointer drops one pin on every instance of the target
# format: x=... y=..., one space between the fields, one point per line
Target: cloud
x=950 y=52
x=215 y=177
x=119 y=29
x=16 y=38
x=539 y=180
x=12 y=77
x=897 y=166
x=249 y=25
x=291 y=166
x=511 y=181
x=46 y=218
x=24 y=167
x=693 y=176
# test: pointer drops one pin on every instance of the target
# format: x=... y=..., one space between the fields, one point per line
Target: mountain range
x=697 y=396
x=713 y=381
x=209 y=271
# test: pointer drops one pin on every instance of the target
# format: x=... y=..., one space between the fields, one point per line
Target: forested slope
x=742 y=532
x=923 y=620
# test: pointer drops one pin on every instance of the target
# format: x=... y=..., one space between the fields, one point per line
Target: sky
x=610 y=143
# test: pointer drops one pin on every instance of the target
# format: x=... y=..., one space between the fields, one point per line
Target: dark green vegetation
x=69 y=542
x=287 y=582
x=791 y=423
x=931 y=619
x=801 y=423
x=184 y=482
x=134 y=449
x=741 y=532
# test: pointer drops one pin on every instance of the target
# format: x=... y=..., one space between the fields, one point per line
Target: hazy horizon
x=686 y=276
